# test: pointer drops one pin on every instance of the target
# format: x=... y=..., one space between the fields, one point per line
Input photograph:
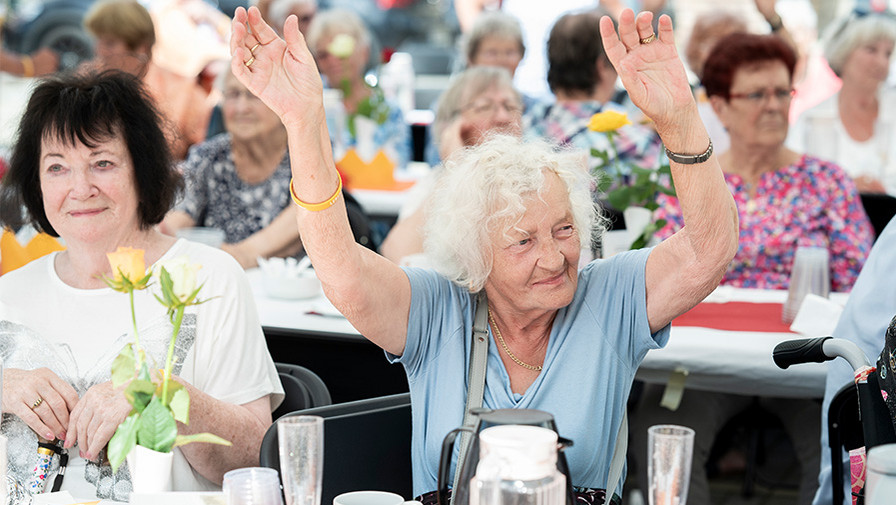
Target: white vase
x=150 y=470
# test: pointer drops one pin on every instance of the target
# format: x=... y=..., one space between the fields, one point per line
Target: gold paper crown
x=14 y=255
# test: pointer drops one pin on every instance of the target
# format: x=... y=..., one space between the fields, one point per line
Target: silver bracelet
x=690 y=159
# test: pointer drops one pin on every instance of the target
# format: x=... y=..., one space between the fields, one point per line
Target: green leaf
x=123 y=366
x=200 y=437
x=123 y=441
x=167 y=286
x=139 y=393
x=173 y=386
x=621 y=198
x=157 y=429
x=180 y=404
x=144 y=371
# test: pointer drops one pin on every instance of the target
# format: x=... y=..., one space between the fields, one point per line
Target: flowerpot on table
x=150 y=470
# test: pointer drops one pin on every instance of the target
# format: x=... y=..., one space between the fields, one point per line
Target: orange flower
x=607 y=121
x=127 y=262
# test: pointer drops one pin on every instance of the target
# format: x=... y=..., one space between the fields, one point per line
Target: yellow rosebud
x=129 y=262
x=342 y=46
x=608 y=121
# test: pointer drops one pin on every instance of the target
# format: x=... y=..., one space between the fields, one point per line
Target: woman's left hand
x=648 y=65
x=95 y=418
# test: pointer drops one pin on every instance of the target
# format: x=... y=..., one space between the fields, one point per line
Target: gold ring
x=37 y=403
x=249 y=62
x=648 y=40
x=256 y=46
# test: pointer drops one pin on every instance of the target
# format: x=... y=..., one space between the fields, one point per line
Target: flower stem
x=136 y=336
x=178 y=319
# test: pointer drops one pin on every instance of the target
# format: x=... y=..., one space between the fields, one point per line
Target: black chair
x=367 y=445
x=844 y=432
x=302 y=388
x=880 y=209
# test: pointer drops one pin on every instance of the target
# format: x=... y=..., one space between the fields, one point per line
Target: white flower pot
x=150 y=470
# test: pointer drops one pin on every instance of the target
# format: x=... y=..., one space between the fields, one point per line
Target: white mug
x=371 y=498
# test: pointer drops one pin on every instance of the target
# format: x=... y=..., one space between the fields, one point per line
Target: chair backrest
x=367 y=446
x=880 y=209
x=295 y=396
x=844 y=432
x=314 y=385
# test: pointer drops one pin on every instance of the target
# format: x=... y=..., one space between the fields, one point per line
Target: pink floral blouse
x=810 y=203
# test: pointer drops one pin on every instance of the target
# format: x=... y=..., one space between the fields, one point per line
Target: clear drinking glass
x=670 y=449
x=252 y=486
x=301 y=440
x=809 y=274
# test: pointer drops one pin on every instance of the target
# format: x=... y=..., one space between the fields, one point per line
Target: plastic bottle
x=336 y=121
x=518 y=466
x=397 y=81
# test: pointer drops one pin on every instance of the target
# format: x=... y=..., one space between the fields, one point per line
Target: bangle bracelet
x=314 y=207
x=690 y=159
x=27 y=66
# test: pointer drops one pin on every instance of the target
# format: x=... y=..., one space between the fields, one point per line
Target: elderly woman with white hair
x=341 y=43
x=304 y=10
x=508 y=221
x=853 y=128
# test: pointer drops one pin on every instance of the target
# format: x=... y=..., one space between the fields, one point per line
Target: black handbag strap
x=476 y=379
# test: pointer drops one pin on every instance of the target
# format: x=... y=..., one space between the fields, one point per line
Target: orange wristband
x=314 y=207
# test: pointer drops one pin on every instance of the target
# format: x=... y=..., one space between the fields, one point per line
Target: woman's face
x=337 y=69
x=756 y=112
x=246 y=117
x=89 y=193
x=869 y=64
x=497 y=110
x=498 y=51
x=113 y=53
x=535 y=265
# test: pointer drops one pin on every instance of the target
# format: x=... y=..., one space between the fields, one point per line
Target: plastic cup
x=252 y=486
x=301 y=441
x=810 y=274
x=670 y=449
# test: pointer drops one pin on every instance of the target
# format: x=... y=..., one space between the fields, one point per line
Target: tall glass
x=301 y=440
x=670 y=449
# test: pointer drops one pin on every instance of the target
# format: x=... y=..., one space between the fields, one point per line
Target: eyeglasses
x=483 y=108
x=759 y=97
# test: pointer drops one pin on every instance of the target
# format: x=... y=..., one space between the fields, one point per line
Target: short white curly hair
x=481 y=191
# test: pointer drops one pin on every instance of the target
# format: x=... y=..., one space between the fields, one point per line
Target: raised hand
x=40 y=399
x=280 y=71
x=648 y=65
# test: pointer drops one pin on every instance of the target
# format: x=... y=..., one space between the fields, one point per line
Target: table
x=352 y=367
x=736 y=361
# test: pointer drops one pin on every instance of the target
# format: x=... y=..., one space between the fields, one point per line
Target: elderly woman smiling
x=92 y=167
x=508 y=222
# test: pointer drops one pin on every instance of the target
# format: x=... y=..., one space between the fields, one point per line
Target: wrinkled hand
x=95 y=419
x=652 y=73
x=869 y=184
x=283 y=73
x=22 y=388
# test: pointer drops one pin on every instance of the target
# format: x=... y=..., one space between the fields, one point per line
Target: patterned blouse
x=810 y=203
x=567 y=124
x=215 y=195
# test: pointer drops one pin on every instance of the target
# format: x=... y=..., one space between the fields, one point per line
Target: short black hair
x=574 y=48
x=91 y=108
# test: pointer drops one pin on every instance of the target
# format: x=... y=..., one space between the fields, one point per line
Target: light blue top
x=595 y=347
x=871 y=306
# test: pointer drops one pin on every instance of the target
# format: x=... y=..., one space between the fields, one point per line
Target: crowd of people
x=124 y=151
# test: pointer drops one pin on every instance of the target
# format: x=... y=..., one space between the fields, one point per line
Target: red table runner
x=735 y=316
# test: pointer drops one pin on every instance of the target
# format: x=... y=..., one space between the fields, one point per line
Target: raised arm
x=371 y=291
x=683 y=269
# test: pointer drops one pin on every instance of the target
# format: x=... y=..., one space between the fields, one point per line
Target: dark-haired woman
x=91 y=166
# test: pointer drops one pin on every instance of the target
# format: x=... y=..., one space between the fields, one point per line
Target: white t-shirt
x=78 y=332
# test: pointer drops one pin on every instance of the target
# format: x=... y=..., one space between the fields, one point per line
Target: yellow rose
x=607 y=121
x=342 y=46
x=183 y=277
x=128 y=262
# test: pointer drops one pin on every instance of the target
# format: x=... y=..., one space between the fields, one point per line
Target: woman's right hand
x=22 y=389
x=281 y=72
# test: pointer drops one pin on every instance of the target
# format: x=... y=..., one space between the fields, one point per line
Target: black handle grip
x=805 y=350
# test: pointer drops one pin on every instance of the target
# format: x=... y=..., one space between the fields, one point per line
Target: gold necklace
x=507 y=349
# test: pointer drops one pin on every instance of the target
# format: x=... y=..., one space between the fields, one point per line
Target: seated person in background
x=41 y=62
x=92 y=166
x=304 y=10
x=855 y=128
x=784 y=200
x=495 y=40
x=125 y=36
x=871 y=306
x=583 y=82
x=508 y=220
x=477 y=102
x=238 y=181
x=343 y=64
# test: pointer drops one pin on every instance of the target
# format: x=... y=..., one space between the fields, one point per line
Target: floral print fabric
x=810 y=203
